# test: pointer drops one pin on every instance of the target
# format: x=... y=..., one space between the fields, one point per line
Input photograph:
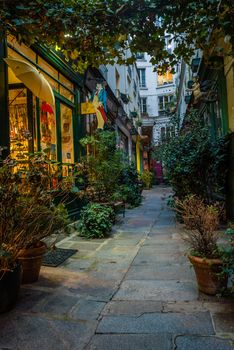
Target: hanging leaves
x=93 y=32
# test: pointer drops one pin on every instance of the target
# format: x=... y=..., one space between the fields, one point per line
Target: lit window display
x=67 y=134
x=19 y=134
x=48 y=131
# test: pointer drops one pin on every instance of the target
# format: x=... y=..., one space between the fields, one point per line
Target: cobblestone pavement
x=132 y=291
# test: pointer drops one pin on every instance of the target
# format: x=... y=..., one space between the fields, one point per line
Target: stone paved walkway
x=133 y=291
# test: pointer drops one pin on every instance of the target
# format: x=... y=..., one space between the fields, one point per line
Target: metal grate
x=57 y=256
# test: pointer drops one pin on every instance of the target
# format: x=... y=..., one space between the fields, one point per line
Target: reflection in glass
x=67 y=134
x=48 y=132
x=19 y=134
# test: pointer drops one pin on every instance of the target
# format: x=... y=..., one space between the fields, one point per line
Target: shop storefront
x=28 y=124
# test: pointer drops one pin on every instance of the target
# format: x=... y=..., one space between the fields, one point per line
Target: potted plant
x=96 y=221
x=27 y=216
x=201 y=221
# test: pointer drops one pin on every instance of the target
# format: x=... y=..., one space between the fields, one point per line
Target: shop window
x=47 y=67
x=48 y=133
x=165 y=79
x=22 y=48
x=53 y=83
x=18 y=113
x=65 y=82
x=67 y=134
x=66 y=93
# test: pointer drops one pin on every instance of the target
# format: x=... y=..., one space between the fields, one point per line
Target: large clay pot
x=31 y=260
x=208 y=275
x=9 y=288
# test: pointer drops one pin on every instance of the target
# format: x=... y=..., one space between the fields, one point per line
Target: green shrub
x=95 y=221
x=110 y=177
x=130 y=186
x=147 y=177
x=194 y=162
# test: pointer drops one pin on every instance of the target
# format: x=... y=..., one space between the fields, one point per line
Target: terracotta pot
x=31 y=260
x=9 y=288
x=207 y=270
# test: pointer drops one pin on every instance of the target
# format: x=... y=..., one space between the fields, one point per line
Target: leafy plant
x=130 y=185
x=147 y=177
x=95 y=221
x=109 y=174
x=103 y=163
x=27 y=210
x=76 y=24
x=202 y=220
x=194 y=163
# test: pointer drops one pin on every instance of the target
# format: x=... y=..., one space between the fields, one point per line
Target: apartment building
x=157 y=96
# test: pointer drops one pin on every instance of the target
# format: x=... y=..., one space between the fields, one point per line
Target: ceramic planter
x=31 y=260
x=208 y=275
x=9 y=288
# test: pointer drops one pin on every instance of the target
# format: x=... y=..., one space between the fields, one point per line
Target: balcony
x=149 y=122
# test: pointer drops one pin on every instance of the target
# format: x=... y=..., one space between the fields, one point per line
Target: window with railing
x=142 y=77
x=164 y=102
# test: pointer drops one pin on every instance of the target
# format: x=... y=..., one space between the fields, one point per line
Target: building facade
x=157 y=97
x=26 y=126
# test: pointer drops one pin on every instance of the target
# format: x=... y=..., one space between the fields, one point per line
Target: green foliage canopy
x=94 y=32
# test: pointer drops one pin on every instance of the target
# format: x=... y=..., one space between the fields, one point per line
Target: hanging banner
x=97 y=105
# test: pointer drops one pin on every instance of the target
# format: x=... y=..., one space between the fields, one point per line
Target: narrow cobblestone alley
x=132 y=291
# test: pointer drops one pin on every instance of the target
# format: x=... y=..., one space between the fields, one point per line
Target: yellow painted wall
x=229 y=74
x=138 y=155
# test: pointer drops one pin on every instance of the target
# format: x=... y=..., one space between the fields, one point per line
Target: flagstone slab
x=202 y=343
x=159 y=258
x=87 y=310
x=154 y=323
x=26 y=332
x=181 y=272
x=157 y=290
x=135 y=308
x=130 y=342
